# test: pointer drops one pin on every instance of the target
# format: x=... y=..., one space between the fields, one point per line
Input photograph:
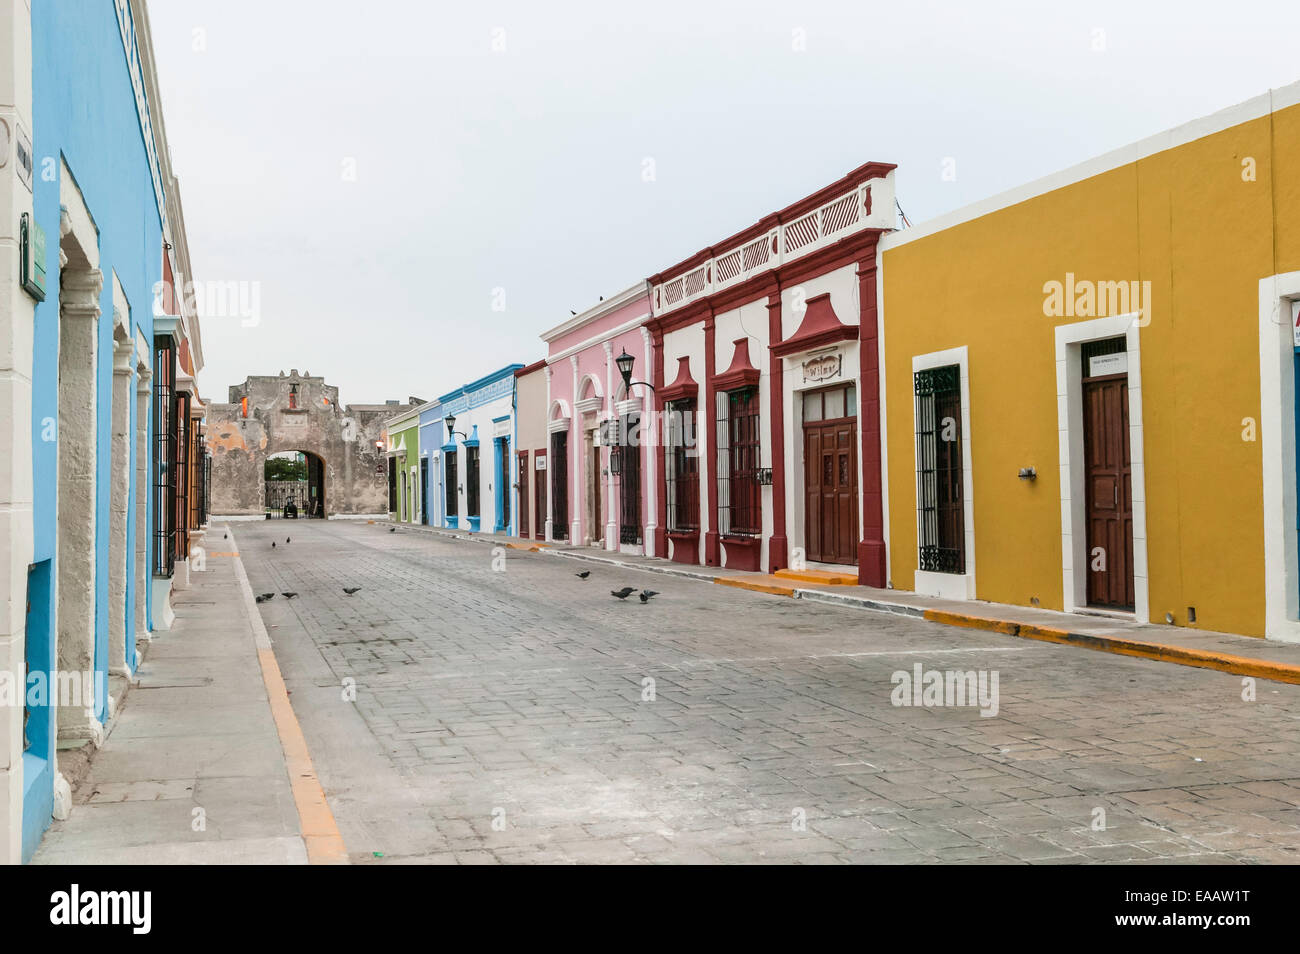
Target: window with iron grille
x=392 y=485
x=941 y=516
x=450 y=497
x=740 y=496
x=471 y=481
x=181 y=538
x=682 y=467
x=164 y=455
x=559 y=469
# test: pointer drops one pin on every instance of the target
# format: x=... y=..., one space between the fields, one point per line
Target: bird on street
x=288 y=596
x=272 y=544
x=286 y=539
x=350 y=589
x=263 y=597
x=624 y=593
x=392 y=529
x=647 y=595
x=583 y=575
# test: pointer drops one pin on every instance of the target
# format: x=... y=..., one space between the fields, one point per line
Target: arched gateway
x=297 y=419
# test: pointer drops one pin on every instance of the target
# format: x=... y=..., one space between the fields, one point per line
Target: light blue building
x=432 y=434
x=100 y=349
x=474 y=447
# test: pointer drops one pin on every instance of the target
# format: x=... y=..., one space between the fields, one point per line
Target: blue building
x=432 y=434
x=99 y=345
x=473 y=442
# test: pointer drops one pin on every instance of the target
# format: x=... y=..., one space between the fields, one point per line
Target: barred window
x=740 y=501
x=471 y=481
x=164 y=455
x=682 y=467
x=941 y=516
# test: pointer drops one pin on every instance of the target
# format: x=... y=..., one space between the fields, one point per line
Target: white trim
x=597 y=311
x=953 y=586
x=1277 y=432
x=1272 y=101
x=1069 y=419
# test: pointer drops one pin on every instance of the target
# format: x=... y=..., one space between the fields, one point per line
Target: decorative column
x=577 y=453
x=709 y=466
x=78 y=462
x=778 y=546
x=143 y=494
x=871 y=550
x=611 y=519
x=652 y=533
x=549 y=526
x=659 y=490
x=119 y=491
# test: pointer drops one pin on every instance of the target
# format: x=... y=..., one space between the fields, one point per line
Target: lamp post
x=625 y=362
x=451 y=429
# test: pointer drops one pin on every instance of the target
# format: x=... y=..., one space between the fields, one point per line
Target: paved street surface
x=506 y=716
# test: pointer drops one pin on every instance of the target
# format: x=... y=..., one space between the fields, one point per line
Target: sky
x=409 y=193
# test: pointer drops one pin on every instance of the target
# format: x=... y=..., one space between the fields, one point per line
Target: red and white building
x=766 y=365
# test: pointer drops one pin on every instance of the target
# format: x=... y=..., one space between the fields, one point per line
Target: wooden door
x=831 y=491
x=597 y=527
x=524 y=529
x=1109 y=491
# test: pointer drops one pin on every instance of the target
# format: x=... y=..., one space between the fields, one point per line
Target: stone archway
x=294 y=484
x=272 y=414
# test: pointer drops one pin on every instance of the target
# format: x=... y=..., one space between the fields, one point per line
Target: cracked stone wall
x=293 y=412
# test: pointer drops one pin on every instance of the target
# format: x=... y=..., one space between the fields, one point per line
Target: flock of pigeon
x=645 y=595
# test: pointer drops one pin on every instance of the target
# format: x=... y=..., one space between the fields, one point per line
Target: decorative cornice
x=685 y=387
x=820 y=327
x=741 y=374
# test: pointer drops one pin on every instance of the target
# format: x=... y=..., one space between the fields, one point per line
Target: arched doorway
x=294 y=484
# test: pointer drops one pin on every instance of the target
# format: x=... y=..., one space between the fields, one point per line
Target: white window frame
x=1277 y=388
x=950 y=586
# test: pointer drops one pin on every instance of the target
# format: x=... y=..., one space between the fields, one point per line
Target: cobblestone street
x=507 y=715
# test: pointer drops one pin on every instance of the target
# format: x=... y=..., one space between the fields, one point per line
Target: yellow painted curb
x=748 y=583
x=319 y=830
x=823 y=577
x=1159 y=652
x=530 y=547
x=217 y=553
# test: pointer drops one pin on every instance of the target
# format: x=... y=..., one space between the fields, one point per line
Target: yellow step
x=760 y=584
x=824 y=577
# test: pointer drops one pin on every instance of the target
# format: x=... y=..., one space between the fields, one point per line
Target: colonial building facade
x=599 y=481
x=765 y=363
x=476 y=462
x=102 y=449
x=1091 y=395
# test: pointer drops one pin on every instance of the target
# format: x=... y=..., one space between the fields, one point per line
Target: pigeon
x=647 y=595
x=263 y=597
x=272 y=544
x=288 y=596
x=392 y=529
x=226 y=537
x=624 y=593
x=583 y=575
x=286 y=539
x=350 y=589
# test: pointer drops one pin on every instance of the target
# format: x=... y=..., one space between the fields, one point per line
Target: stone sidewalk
x=192 y=770
x=1174 y=644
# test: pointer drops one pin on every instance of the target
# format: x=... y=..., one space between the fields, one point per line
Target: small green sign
x=33 y=257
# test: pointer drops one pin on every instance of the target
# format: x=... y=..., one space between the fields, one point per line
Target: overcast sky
x=381 y=168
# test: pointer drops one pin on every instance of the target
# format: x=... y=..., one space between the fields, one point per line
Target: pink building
x=600 y=468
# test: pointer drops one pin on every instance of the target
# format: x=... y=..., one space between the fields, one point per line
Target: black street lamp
x=625 y=362
x=451 y=428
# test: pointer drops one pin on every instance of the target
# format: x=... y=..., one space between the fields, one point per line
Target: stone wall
x=296 y=412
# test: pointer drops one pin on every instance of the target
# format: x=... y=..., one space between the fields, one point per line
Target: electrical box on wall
x=32 y=238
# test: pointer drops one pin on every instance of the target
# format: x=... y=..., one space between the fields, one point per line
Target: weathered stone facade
x=296 y=412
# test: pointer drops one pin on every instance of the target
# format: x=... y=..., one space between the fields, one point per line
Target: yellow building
x=1090 y=384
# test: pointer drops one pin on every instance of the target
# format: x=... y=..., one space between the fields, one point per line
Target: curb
x=1157 y=652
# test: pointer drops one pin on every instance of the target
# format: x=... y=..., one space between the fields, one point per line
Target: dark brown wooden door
x=1109 y=486
x=539 y=498
x=523 y=494
x=831 y=482
x=597 y=528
